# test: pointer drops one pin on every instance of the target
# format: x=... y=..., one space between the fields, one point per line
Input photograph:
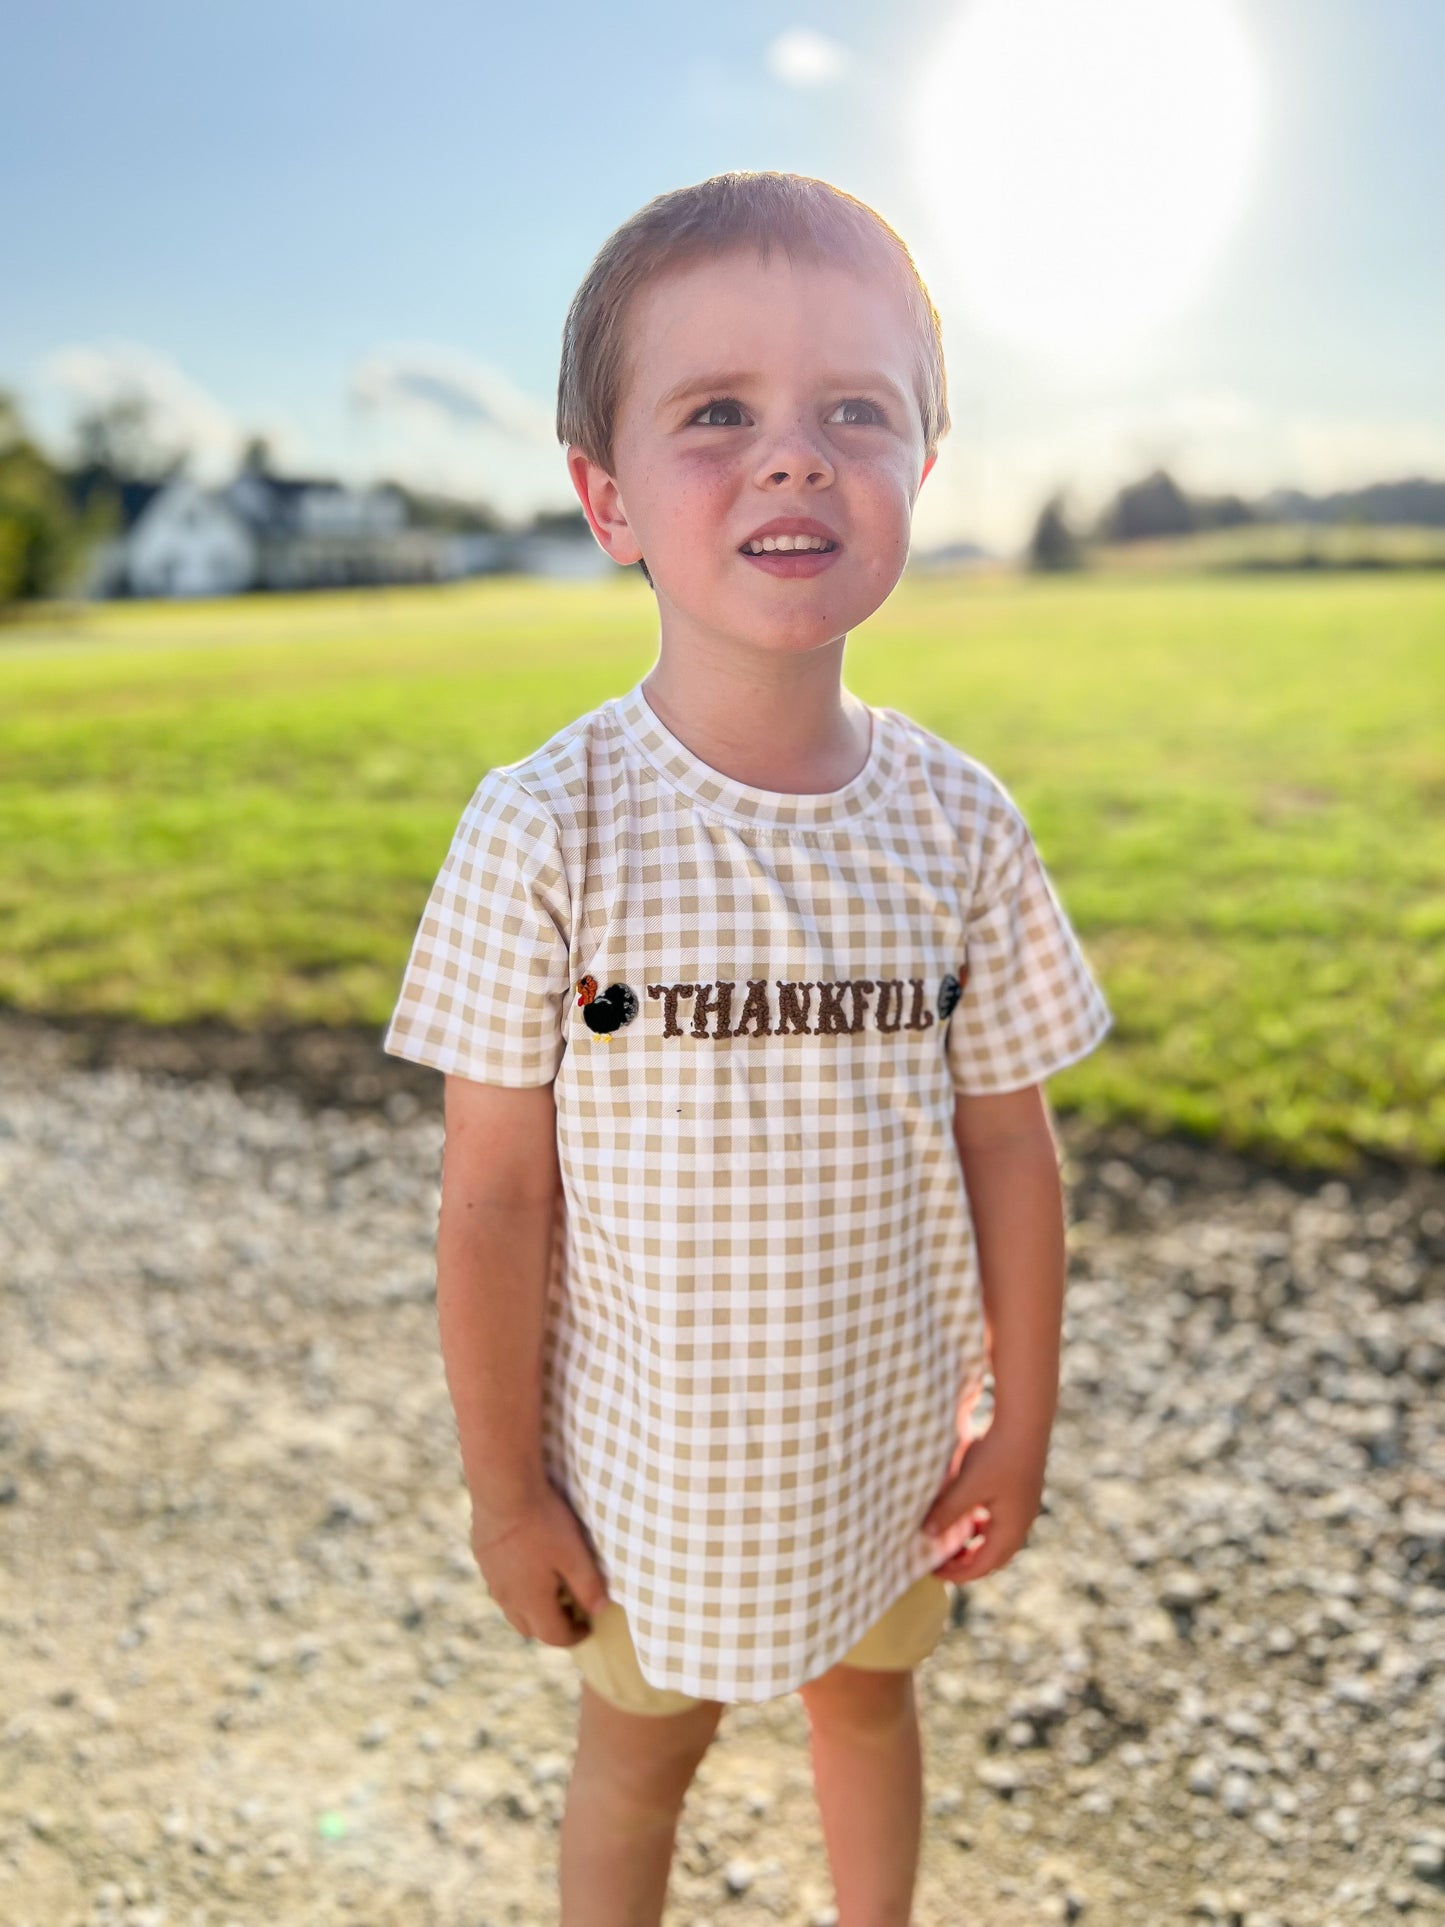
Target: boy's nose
x=804 y=465
x=795 y=454
x=812 y=475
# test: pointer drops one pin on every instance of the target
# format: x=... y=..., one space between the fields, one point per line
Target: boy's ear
x=603 y=506
x=926 y=467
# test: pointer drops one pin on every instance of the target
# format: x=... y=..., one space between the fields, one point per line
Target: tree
x=118 y=436
x=257 y=457
x=1222 y=511
x=40 y=538
x=1155 y=506
x=1053 y=544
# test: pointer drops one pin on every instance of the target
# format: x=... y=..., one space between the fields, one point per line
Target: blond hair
x=810 y=220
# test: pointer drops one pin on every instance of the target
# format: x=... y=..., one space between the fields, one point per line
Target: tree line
x=1157 y=506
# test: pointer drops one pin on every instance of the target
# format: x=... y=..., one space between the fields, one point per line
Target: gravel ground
x=253 y=1675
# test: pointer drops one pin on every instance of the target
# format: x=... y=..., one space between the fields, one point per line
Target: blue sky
x=357 y=227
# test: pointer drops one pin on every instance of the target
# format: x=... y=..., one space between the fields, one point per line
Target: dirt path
x=253 y=1676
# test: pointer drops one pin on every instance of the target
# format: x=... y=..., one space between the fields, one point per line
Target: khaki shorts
x=906 y=1634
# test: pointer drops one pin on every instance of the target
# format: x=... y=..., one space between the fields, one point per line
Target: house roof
x=85 y=485
x=269 y=502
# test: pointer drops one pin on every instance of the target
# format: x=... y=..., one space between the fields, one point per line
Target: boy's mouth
x=806 y=561
x=788 y=545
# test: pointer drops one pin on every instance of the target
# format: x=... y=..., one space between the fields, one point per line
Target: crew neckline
x=721 y=796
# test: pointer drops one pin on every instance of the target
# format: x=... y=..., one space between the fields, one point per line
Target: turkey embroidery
x=949 y=992
x=607 y=1011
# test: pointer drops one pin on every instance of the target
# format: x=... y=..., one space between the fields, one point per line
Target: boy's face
x=813 y=414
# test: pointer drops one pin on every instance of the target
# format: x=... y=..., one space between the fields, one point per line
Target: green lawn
x=235 y=809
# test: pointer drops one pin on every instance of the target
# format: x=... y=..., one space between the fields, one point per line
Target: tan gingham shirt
x=764 y=1320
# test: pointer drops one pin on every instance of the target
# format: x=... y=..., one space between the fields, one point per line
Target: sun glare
x=1083 y=162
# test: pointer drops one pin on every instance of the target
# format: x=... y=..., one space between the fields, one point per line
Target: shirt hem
x=923 y=1561
x=454 y=1064
x=1045 y=1068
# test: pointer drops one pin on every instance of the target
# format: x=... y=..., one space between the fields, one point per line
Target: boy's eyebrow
x=700 y=384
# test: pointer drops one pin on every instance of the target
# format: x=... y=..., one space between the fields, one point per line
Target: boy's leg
x=868 y=1775
x=629 y=1778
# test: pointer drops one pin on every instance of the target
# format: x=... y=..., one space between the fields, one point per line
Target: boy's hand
x=540 y=1569
x=1002 y=1475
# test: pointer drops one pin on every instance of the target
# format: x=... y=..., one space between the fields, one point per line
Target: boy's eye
x=726 y=401
x=858 y=401
x=720 y=402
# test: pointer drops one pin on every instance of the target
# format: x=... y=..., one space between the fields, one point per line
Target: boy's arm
x=1011 y=1170
x=500 y=1178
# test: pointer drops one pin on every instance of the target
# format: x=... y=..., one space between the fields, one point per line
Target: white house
x=190 y=542
x=265 y=531
x=475 y=552
x=318 y=534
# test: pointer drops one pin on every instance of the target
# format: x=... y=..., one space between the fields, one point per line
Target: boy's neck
x=799 y=732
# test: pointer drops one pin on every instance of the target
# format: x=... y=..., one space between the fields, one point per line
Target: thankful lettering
x=798 y=1009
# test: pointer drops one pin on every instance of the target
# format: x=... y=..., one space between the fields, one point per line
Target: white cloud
x=440 y=386
x=437 y=419
x=802 y=58
x=182 y=414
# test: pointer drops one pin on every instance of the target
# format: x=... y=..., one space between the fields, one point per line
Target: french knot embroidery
x=607 y=1011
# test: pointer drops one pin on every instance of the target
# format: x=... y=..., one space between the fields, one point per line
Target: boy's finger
x=559 y=1623
x=571 y=1603
x=965 y=1548
x=965 y=1560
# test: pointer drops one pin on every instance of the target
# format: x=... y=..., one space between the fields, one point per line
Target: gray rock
x=738 y=1876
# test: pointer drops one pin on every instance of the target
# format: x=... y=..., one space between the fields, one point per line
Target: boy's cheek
x=705 y=466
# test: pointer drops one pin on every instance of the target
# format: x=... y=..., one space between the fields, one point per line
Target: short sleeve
x=1029 y=1004
x=484 y=994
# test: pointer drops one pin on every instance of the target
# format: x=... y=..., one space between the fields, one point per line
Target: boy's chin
x=754 y=605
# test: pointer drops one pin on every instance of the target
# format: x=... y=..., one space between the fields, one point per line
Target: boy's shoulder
x=963 y=782
x=557 y=775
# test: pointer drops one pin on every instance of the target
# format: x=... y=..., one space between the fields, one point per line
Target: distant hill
x=1158 y=506
x=1416 y=503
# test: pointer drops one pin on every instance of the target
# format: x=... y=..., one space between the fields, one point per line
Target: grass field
x=235 y=809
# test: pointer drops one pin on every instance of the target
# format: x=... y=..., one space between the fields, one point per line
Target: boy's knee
x=858 y=1700
x=647 y=1760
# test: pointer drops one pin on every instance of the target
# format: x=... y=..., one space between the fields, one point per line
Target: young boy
x=745 y=990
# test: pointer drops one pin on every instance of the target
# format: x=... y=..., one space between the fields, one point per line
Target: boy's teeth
x=785 y=543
